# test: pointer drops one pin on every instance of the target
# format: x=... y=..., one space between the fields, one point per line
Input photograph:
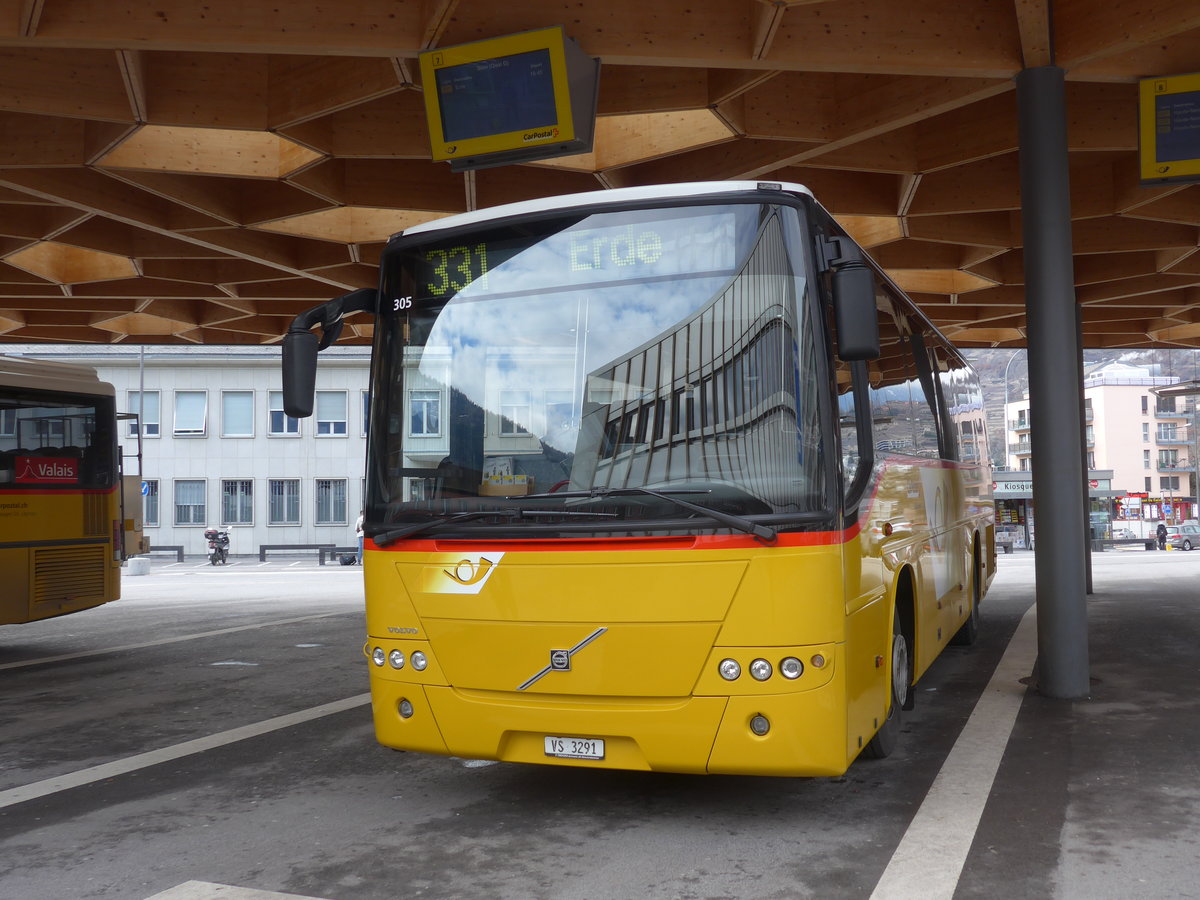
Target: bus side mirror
x=854 y=308
x=299 y=373
x=301 y=346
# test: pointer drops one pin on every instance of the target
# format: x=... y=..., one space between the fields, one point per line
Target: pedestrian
x=358 y=533
x=1162 y=536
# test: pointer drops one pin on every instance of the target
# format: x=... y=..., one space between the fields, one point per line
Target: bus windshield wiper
x=414 y=528
x=738 y=523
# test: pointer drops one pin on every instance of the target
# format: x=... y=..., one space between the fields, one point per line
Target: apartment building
x=218 y=449
x=1149 y=442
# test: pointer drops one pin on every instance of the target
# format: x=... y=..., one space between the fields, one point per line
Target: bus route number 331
x=575 y=748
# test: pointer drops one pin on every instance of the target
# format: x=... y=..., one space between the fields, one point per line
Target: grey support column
x=1054 y=385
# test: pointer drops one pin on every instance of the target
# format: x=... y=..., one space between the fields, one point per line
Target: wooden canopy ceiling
x=202 y=171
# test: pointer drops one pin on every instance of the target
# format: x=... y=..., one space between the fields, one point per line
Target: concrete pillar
x=1054 y=385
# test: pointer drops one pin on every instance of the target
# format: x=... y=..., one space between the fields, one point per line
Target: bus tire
x=968 y=633
x=888 y=735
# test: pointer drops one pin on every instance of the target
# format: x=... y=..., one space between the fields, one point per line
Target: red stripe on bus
x=575 y=545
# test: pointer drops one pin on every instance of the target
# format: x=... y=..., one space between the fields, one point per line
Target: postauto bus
x=664 y=478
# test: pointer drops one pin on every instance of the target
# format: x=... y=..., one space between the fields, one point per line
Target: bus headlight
x=378 y=656
x=791 y=668
x=760 y=670
x=419 y=662
x=730 y=669
x=396 y=658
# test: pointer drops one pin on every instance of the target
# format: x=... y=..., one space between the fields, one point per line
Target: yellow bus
x=63 y=524
x=665 y=478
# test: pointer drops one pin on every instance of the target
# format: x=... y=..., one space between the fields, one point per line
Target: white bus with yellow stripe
x=666 y=478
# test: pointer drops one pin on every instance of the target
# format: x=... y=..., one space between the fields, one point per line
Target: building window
x=366 y=410
x=148 y=413
x=284 y=507
x=1145 y=432
x=237 y=414
x=280 y=423
x=150 y=503
x=237 y=502
x=1091 y=460
x=1145 y=404
x=426 y=413
x=1148 y=480
x=331 y=501
x=1168 y=483
x=331 y=413
x=189 y=503
x=1168 y=459
x=1145 y=459
x=514 y=412
x=191 y=412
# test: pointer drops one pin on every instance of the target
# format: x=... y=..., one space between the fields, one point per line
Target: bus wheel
x=888 y=735
x=968 y=632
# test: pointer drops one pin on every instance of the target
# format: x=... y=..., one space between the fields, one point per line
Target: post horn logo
x=467 y=573
x=462 y=576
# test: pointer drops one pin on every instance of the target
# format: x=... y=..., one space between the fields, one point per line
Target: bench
x=263 y=548
x=1006 y=546
x=333 y=553
x=1099 y=544
x=177 y=549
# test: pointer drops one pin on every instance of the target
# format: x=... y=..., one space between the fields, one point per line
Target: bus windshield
x=570 y=375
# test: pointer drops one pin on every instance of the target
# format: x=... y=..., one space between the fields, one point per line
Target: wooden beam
x=1033 y=25
x=639 y=89
x=436 y=15
x=793 y=106
x=305 y=87
x=882 y=37
x=987 y=186
x=1114 y=235
x=998 y=229
x=736 y=159
x=133 y=73
x=391 y=126
x=725 y=84
x=73 y=83
x=31 y=15
x=1086 y=31
x=766 y=16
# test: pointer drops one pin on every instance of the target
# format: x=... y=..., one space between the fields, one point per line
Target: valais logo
x=47 y=470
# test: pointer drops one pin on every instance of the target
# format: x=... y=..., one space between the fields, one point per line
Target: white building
x=218 y=450
x=1148 y=441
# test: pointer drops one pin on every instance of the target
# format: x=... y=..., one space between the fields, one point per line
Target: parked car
x=1123 y=534
x=1183 y=537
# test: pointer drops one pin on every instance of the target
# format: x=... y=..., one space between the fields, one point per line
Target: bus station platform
x=1100 y=798
x=207 y=736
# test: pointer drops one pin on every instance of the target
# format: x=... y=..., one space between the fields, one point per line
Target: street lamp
x=1005 y=420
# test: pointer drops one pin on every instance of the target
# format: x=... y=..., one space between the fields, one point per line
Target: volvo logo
x=560 y=660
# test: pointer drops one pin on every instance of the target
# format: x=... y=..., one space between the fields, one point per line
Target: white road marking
x=41 y=660
x=929 y=859
x=129 y=764
x=206 y=890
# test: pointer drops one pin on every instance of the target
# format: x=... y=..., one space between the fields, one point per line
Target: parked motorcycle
x=218 y=546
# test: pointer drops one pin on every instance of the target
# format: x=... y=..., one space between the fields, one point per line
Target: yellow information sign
x=1169 y=129
x=509 y=99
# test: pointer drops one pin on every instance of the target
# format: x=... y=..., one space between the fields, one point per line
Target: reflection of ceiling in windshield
x=541 y=305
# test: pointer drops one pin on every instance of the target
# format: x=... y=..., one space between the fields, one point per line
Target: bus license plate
x=575 y=748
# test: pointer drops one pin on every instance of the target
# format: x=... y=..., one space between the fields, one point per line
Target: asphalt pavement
x=209 y=735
